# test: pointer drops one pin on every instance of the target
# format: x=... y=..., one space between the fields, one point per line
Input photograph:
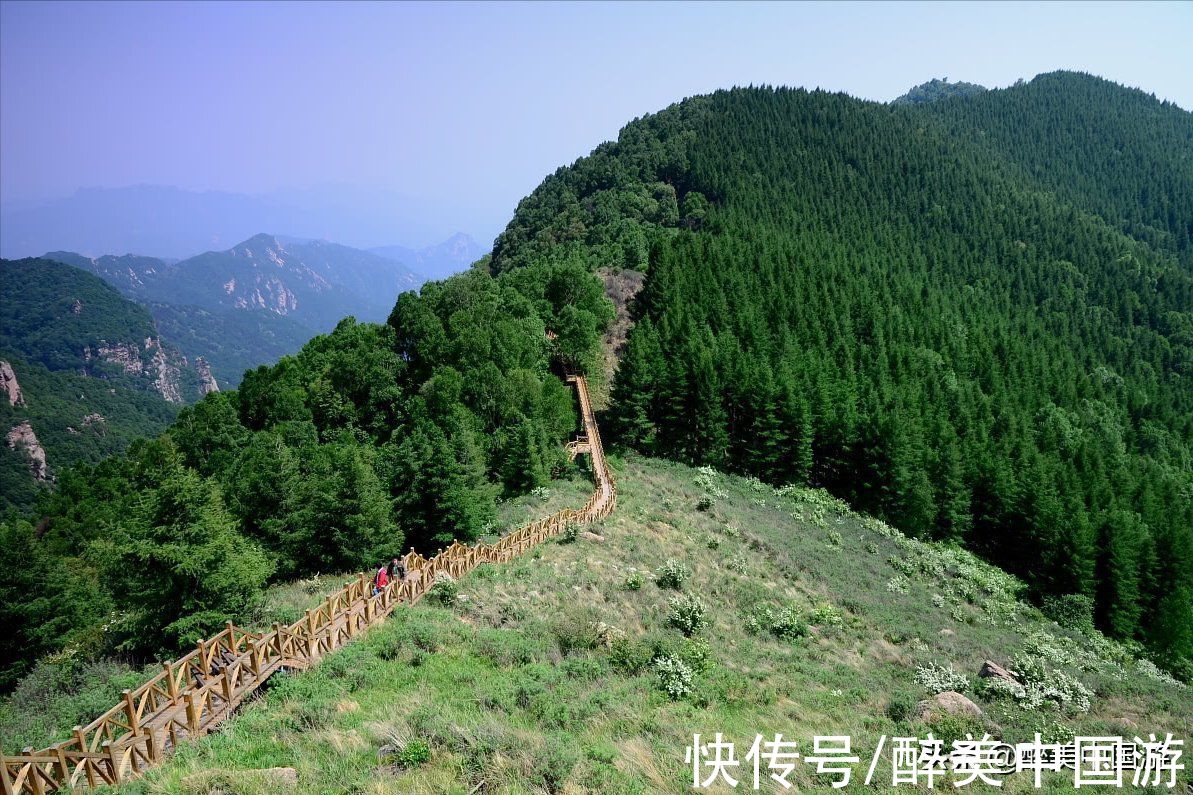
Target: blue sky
x=469 y=106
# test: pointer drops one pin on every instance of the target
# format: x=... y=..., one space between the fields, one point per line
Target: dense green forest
x=971 y=317
x=82 y=404
x=982 y=344
x=373 y=439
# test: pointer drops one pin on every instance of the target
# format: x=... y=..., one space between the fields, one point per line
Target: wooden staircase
x=196 y=693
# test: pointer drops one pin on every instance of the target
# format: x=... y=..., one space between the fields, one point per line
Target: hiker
x=397 y=570
x=380 y=580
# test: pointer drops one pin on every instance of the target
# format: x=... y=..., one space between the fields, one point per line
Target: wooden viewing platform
x=196 y=693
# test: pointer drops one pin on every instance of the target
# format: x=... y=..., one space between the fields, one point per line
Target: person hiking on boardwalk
x=380 y=580
x=397 y=570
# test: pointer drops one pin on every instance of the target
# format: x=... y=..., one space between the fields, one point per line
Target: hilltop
x=970 y=317
x=543 y=675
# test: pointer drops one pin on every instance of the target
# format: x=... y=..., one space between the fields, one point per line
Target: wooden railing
x=194 y=694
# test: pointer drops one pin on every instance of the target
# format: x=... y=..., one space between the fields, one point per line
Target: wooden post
x=151 y=747
x=171 y=682
x=88 y=765
x=231 y=637
x=5 y=779
x=226 y=687
x=134 y=722
x=63 y=768
x=34 y=773
x=203 y=658
x=192 y=714
x=114 y=761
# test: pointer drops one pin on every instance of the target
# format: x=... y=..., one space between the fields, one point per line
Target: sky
x=464 y=108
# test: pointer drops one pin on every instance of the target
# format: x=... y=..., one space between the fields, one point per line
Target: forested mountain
x=257 y=301
x=971 y=317
x=1116 y=152
x=87 y=372
x=372 y=439
x=860 y=296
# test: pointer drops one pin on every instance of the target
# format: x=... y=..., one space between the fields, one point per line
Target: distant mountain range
x=169 y=222
x=439 y=261
x=266 y=296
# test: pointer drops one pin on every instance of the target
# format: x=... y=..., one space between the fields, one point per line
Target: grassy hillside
x=540 y=676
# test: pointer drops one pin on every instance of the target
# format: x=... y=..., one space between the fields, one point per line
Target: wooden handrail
x=198 y=691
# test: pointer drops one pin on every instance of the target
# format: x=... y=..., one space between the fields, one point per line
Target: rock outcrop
x=163 y=368
x=207 y=383
x=123 y=354
x=9 y=385
x=992 y=670
x=947 y=703
x=21 y=437
x=164 y=371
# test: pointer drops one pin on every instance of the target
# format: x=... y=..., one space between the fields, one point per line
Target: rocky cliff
x=9 y=385
x=22 y=438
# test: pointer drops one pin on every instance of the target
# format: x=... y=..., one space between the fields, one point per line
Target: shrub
x=630 y=657
x=542 y=492
x=825 y=615
x=1043 y=685
x=834 y=539
x=675 y=677
x=939 y=678
x=687 y=614
x=570 y=534
x=897 y=584
x=445 y=591
x=575 y=633
x=697 y=653
x=634 y=582
x=950 y=728
x=672 y=574
x=705 y=503
x=788 y=625
x=900 y=708
x=414 y=754
x=552 y=766
x=736 y=563
x=1073 y=610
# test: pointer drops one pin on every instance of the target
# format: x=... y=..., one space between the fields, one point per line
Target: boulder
x=992 y=670
x=587 y=536
x=272 y=779
x=946 y=632
x=947 y=703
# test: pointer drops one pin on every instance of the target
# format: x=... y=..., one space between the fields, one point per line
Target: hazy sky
x=471 y=105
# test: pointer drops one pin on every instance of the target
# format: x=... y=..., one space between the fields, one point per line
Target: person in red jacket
x=380 y=580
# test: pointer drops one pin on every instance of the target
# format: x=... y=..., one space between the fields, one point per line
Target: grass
x=549 y=674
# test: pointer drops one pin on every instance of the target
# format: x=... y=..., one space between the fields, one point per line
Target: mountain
x=913 y=395
x=170 y=222
x=971 y=317
x=936 y=90
x=85 y=371
x=438 y=261
x=257 y=301
x=314 y=283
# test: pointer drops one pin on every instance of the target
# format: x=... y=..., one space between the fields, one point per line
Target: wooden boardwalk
x=196 y=693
